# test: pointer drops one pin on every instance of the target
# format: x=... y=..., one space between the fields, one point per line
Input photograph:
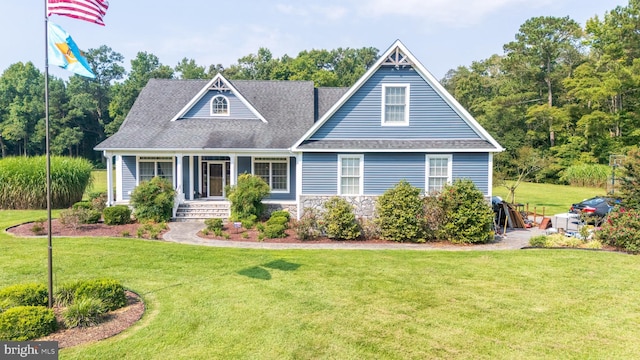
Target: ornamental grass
x=23 y=182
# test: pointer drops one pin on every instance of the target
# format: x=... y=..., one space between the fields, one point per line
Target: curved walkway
x=186 y=233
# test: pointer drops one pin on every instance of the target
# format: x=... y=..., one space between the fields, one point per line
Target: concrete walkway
x=186 y=233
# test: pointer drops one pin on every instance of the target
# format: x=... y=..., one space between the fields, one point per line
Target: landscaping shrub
x=538 y=241
x=307 y=228
x=82 y=205
x=23 y=182
x=246 y=197
x=117 y=215
x=434 y=217
x=283 y=213
x=214 y=224
x=339 y=220
x=467 y=216
x=400 y=214
x=83 y=312
x=110 y=291
x=274 y=231
x=98 y=200
x=278 y=220
x=249 y=221
x=369 y=229
x=621 y=230
x=153 y=200
x=23 y=323
x=31 y=294
x=630 y=180
x=78 y=216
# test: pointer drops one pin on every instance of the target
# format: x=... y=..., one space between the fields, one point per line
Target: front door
x=215 y=175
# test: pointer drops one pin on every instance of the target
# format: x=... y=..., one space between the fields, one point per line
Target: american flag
x=87 y=10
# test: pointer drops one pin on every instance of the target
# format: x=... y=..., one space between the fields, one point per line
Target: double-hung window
x=274 y=171
x=439 y=172
x=350 y=174
x=395 y=104
x=149 y=167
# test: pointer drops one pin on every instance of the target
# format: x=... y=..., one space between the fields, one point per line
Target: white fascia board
x=347 y=95
x=455 y=105
x=435 y=151
x=426 y=75
x=205 y=89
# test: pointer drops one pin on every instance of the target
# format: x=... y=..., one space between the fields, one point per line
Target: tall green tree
x=21 y=107
x=546 y=50
x=144 y=67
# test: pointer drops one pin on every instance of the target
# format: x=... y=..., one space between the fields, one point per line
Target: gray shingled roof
x=287 y=106
x=395 y=145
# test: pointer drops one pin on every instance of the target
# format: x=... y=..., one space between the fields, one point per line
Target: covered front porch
x=199 y=175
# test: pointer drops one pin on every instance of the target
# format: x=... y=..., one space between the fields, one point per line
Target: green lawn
x=554 y=199
x=215 y=303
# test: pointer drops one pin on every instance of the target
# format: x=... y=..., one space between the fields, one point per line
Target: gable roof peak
x=218 y=83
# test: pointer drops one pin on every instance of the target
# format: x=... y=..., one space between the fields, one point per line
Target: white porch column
x=191 y=190
x=298 y=185
x=179 y=182
x=109 y=158
x=232 y=169
x=119 y=188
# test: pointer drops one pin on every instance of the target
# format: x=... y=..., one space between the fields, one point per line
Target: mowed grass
x=217 y=303
x=553 y=199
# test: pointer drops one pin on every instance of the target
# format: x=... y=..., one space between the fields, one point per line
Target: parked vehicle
x=595 y=208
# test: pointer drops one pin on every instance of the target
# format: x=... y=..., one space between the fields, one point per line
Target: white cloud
x=459 y=13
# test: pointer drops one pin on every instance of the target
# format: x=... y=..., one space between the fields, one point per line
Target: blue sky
x=442 y=34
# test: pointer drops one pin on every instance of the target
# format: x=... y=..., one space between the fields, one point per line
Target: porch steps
x=202 y=210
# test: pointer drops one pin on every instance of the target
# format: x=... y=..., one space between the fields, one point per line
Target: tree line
x=83 y=112
x=559 y=95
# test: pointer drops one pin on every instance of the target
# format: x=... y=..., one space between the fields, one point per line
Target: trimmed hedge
x=31 y=294
x=117 y=215
x=110 y=291
x=23 y=323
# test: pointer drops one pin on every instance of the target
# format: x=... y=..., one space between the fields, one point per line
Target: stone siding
x=364 y=206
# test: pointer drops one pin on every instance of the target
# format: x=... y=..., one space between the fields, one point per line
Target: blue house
x=309 y=144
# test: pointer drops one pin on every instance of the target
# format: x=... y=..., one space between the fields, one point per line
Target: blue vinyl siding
x=474 y=166
x=319 y=174
x=430 y=116
x=384 y=171
x=128 y=176
x=202 y=108
x=244 y=164
x=185 y=177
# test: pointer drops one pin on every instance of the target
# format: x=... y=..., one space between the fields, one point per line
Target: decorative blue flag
x=64 y=52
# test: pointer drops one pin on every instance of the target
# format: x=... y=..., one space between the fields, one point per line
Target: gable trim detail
x=218 y=83
x=399 y=55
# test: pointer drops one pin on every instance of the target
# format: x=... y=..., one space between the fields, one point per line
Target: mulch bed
x=115 y=322
x=88 y=230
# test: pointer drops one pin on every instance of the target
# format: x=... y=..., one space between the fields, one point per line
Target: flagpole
x=46 y=122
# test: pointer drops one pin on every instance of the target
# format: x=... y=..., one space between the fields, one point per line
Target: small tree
x=468 y=217
x=400 y=214
x=339 y=220
x=153 y=200
x=246 y=197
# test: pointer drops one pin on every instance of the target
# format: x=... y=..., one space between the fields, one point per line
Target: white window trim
x=428 y=157
x=407 y=97
x=211 y=106
x=155 y=160
x=270 y=160
x=360 y=157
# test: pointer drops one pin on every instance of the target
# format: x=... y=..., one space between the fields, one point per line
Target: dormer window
x=219 y=106
x=395 y=104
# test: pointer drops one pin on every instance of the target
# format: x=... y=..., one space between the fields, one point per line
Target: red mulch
x=89 y=230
